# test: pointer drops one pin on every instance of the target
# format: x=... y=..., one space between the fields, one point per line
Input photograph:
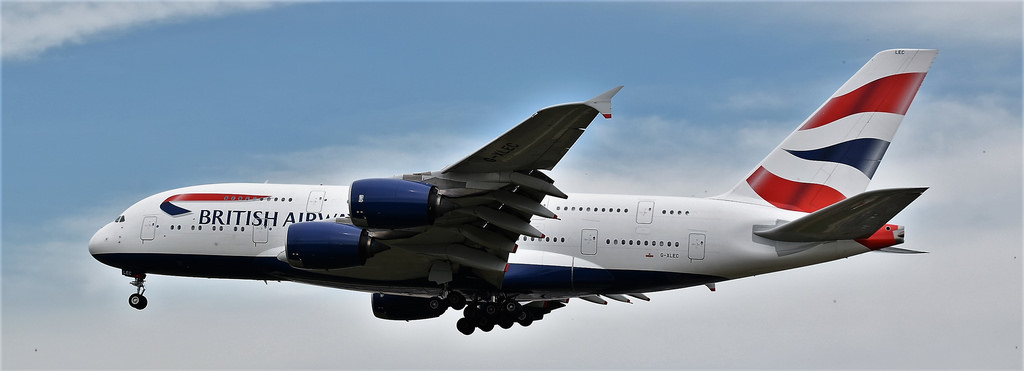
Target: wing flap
x=857 y=217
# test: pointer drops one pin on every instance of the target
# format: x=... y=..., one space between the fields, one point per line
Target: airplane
x=492 y=236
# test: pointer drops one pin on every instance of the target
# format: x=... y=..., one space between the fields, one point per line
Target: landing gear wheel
x=456 y=300
x=138 y=301
x=484 y=321
x=512 y=307
x=471 y=312
x=505 y=322
x=434 y=303
x=490 y=309
x=465 y=326
x=487 y=327
x=525 y=319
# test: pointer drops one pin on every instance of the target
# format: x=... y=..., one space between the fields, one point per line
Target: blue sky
x=106 y=103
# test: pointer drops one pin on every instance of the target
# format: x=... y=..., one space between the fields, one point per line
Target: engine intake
x=324 y=245
x=392 y=203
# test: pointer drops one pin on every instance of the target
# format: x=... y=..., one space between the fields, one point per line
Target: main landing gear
x=137 y=300
x=503 y=312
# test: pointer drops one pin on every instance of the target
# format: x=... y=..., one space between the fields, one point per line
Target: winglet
x=603 y=103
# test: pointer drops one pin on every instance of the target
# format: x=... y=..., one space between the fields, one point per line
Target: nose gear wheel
x=137 y=300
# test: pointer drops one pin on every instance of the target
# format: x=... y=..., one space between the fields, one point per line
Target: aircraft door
x=148 y=228
x=588 y=242
x=315 y=202
x=645 y=212
x=696 y=249
x=259 y=234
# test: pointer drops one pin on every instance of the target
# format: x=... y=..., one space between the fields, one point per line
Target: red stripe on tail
x=891 y=94
x=790 y=195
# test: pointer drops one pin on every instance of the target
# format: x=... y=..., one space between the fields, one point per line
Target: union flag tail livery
x=482 y=237
x=834 y=153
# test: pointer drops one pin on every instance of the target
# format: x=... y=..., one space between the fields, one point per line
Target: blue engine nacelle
x=325 y=245
x=392 y=203
x=406 y=308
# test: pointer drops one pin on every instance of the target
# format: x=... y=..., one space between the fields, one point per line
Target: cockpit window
x=119 y=219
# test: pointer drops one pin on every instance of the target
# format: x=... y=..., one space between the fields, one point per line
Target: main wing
x=540 y=141
x=489 y=197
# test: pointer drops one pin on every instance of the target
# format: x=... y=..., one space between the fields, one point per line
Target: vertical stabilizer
x=835 y=151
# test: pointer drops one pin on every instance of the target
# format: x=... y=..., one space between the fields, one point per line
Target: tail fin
x=835 y=152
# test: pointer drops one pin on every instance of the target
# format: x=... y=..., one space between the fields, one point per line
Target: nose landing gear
x=137 y=300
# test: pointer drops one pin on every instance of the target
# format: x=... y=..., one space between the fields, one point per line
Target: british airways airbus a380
x=493 y=235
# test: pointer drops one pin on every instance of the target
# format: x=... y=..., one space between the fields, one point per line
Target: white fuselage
x=599 y=244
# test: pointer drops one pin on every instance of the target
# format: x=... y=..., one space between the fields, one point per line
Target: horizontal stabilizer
x=857 y=217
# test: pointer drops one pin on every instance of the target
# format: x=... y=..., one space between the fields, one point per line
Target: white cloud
x=957 y=22
x=31 y=28
x=968 y=150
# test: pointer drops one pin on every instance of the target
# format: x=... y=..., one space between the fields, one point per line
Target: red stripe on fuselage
x=790 y=195
x=891 y=94
x=213 y=197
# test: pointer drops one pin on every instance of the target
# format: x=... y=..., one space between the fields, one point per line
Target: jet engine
x=325 y=245
x=392 y=203
x=406 y=308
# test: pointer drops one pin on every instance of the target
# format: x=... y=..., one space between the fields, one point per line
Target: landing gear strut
x=137 y=300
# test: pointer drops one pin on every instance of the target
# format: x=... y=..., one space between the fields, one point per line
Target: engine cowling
x=406 y=308
x=325 y=245
x=392 y=203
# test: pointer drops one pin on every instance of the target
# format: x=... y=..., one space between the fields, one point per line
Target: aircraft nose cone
x=102 y=242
